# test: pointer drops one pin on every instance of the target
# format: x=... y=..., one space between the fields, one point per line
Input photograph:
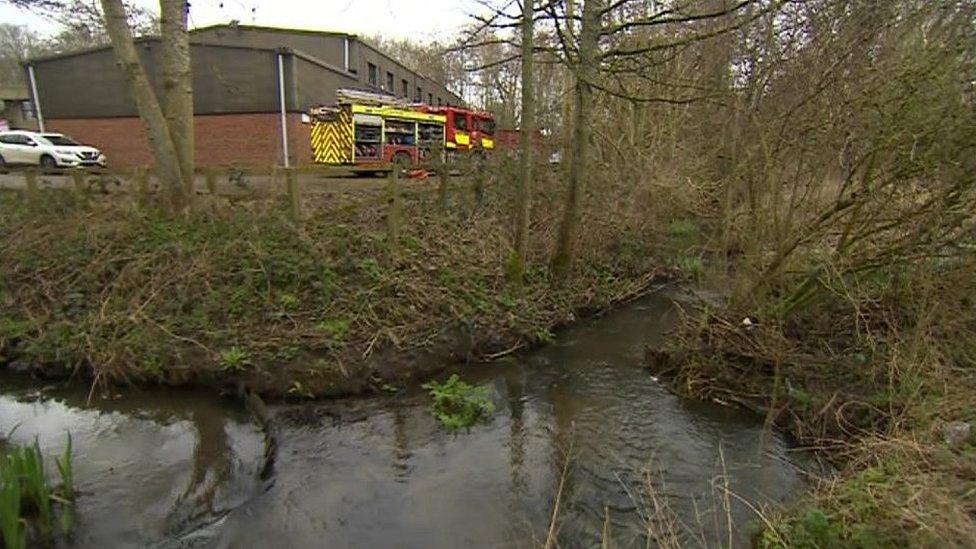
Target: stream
x=180 y=468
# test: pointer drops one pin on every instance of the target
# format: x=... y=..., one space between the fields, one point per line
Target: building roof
x=9 y=93
x=288 y=30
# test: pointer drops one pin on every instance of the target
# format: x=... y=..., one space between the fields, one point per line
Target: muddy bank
x=892 y=415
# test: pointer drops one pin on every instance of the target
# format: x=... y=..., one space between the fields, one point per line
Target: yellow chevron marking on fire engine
x=462 y=138
x=332 y=140
x=487 y=143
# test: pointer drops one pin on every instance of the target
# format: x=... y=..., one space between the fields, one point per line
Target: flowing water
x=179 y=469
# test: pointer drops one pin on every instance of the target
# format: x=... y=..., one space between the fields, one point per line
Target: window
x=486 y=126
x=61 y=140
x=389 y=82
x=16 y=139
x=438 y=101
x=371 y=73
x=27 y=108
x=420 y=95
x=461 y=122
x=430 y=99
x=404 y=88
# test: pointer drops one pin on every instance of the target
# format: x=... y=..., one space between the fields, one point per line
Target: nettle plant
x=459 y=404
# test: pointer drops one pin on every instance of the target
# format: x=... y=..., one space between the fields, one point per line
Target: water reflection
x=148 y=466
x=178 y=469
x=383 y=473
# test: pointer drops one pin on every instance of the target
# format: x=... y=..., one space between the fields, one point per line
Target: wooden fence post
x=294 y=194
x=30 y=185
x=78 y=179
x=211 y=179
x=393 y=213
x=478 y=173
x=142 y=185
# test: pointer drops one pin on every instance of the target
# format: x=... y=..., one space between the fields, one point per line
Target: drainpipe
x=37 y=100
x=284 y=112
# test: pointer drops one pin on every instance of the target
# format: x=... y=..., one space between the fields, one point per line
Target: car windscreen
x=60 y=140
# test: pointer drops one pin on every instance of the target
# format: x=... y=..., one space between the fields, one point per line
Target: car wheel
x=48 y=163
x=3 y=165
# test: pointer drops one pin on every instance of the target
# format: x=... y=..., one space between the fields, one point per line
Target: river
x=180 y=468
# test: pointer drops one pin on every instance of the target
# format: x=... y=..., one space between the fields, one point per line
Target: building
x=241 y=74
x=16 y=109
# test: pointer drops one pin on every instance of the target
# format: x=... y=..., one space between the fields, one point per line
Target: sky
x=419 y=20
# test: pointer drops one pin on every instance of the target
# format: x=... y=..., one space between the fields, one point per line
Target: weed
x=234 y=359
x=544 y=335
x=458 y=404
x=683 y=229
x=290 y=302
x=692 y=266
x=335 y=327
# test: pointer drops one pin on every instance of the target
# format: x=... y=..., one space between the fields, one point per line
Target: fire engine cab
x=466 y=129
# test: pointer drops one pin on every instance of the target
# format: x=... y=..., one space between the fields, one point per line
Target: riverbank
x=883 y=388
x=335 y=303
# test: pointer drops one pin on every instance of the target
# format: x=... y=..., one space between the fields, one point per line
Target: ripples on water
x=178 y=469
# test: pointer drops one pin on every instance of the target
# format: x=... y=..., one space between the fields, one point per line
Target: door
x=17 y=149
x=32 y=150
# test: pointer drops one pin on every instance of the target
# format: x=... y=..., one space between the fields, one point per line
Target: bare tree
x=527 y=145
x=587 y=69
x=167 y=162
x=169 y=124
x=177 y=77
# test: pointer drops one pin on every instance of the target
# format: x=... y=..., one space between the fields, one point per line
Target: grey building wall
x=335 y=49
x=235 y=70
x=329 y=47
x=90 y=84
x=314 y=83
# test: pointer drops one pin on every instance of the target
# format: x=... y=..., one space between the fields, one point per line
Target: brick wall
x=239 y=139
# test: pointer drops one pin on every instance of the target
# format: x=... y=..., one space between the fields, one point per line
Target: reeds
x=27 y=501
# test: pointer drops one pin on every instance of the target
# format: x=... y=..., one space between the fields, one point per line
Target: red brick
x=220 y=140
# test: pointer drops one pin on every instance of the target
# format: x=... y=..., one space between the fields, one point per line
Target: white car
x=47 y=150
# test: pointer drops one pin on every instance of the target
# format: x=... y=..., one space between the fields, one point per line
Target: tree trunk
x=524 y=192
x=566 y=140
x=177 y=80
x=167 y=163
x=586 y=72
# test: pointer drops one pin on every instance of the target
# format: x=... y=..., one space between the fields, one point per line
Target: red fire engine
x=466 y=129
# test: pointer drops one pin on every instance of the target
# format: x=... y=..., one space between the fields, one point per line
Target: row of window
x=373 y=73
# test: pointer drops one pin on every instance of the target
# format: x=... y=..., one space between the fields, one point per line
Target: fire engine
x=368 y=130
x=466 y=129
x=372 y=131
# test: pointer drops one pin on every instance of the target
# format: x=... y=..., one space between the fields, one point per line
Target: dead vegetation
x=120 y=292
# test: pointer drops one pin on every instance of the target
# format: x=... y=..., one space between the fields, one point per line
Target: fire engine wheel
x=402 y=161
